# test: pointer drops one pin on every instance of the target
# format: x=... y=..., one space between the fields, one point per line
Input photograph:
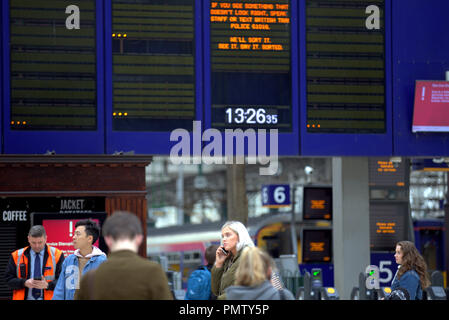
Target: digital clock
x=251 y=116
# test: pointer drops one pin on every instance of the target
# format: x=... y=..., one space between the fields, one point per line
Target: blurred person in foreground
x=253 y=278
x=125 y=275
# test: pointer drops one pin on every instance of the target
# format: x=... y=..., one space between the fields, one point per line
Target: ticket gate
x=436 y=290
x=361 y=292
x=313 y=288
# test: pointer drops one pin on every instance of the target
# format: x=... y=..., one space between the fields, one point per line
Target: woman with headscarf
x=234 y=237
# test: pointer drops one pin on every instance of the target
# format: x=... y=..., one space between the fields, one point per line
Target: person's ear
x=269 y=272
x=138 y=240
x=109 y=241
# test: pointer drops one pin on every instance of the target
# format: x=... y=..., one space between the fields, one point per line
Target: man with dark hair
x=199 y=281
x=125 y=275
x=86 y=257
x=36 y=267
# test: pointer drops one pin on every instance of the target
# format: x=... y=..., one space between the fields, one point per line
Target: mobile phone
x=224 y=251
x=38 y=278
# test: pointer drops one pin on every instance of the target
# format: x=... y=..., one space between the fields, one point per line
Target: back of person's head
x=210 y=254
x=254 y=268
x=37 y=231
x=91 y=228
x=412 y=260
x=122 y=225
x=244 y=237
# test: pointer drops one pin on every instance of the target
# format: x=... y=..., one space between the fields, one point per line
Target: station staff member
x=36 y=261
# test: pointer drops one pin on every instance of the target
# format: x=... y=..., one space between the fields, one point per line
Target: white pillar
x=350 y=197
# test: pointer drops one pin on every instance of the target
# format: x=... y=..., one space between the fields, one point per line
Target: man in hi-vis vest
x=33 y=271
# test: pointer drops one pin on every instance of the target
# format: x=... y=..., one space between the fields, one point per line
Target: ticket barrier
x=313 y=288
x=436 y=290
x=363 y=293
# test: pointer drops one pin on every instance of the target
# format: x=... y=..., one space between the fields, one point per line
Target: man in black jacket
x=36 y=267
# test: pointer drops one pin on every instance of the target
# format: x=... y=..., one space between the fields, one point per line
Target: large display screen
x=52 y=68
x=384 y=173
x=317 y=246
x=250 y=56
x=153 y=52
x=387 y=225
x=345 y=68
x=317 y=203
x=431 y=110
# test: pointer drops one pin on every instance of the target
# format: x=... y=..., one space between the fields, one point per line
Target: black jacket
x=19 y=283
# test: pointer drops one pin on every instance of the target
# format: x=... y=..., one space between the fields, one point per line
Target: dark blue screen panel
x=153 y=71
x=344 y=79
x=420 y=52
x=53 y=76
x=251 y=68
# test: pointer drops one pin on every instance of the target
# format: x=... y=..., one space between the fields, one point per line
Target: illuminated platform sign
x=387 y=225
x=317 y=246
x=250 y=69
x=385 y=173
x=250 y=64
x=317 y=203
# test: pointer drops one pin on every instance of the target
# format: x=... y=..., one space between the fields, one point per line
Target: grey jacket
x=265 y=291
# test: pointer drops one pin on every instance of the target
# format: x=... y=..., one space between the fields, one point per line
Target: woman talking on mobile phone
x=234 y=237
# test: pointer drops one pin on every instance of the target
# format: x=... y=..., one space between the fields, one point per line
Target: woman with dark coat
x=234 y=237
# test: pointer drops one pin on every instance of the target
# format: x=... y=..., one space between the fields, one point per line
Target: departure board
x=316 y=246
x=385 y=173
x=387 y=225
x=250 y=57
x=345 y=68
x=153 y=52
x=317 y=203
x=52 y=68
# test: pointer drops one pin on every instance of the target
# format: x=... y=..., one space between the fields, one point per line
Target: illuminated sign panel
x=52 y=68
x=60 y=228
x=387 y=225
x=153 y=54
x=385 y=173
x=317 y=246
x=60 y=234
x=345 y=68
x=431 y=111
x=250 y=55
x=317 y=203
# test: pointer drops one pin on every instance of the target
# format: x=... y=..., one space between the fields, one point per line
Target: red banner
x=431 y=112
x=60 y=234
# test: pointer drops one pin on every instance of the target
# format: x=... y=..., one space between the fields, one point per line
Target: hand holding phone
x=224 y=251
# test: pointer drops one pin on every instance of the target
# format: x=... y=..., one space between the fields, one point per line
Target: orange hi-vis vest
x=49 y=270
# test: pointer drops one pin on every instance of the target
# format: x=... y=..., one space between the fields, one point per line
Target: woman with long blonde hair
x=253 y=278
x=412 y=272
